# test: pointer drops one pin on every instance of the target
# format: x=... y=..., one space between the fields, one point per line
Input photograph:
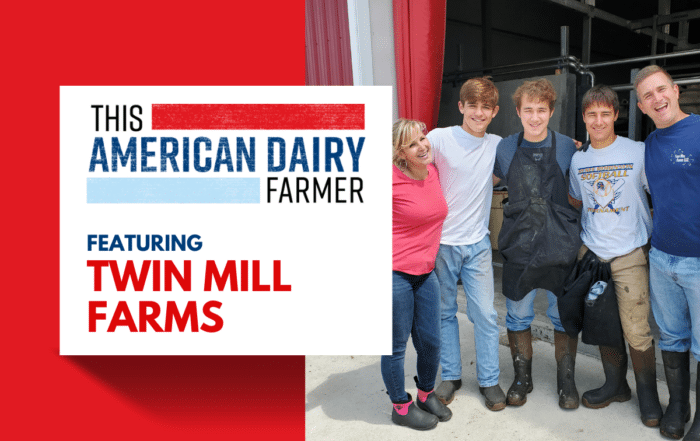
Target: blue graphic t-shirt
x=673 y=171
x=612 y=185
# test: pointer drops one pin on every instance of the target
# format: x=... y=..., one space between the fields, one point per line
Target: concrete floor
x=346 y=398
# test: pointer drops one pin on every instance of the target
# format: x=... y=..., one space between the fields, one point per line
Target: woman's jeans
x=416 y=312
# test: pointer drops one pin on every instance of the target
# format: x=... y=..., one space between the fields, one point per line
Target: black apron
x=540 y=236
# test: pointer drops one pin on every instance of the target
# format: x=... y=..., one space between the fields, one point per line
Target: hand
x=578 y=144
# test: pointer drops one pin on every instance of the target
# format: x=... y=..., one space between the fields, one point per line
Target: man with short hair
x=540 y=235
x=464 y=156
x=672 y=159
x=608 y=179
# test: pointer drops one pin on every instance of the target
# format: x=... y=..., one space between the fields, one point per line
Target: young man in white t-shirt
x=464 y=156
x=608 y=179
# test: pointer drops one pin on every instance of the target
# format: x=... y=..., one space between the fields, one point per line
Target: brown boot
x=521 y=350
x=565 y=354
x=644 y=364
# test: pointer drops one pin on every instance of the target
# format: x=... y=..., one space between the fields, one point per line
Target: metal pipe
x=654 y=39
x=645 y=58
x=587 y=35
x=466 y=75
x=570 y=61
x=536 y=66
x=599 y=13
x=664 y=19
x=634 y=115
x=506 y=66
x=564 y=45
x=593 y=12
x=681 y=82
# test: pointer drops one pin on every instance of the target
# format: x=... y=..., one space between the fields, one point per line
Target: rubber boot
x=644 y=364
x=433 y=405
x=677 y=367
x=494 y=397
x=616 y=387
x=694 y=432
x=565 y=354
x=521 y=350
x=414 y=417
x=446 y=390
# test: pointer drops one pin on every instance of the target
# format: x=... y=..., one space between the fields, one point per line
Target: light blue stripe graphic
x=173 y=190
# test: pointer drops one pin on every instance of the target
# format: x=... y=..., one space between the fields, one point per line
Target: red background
x=124 y=43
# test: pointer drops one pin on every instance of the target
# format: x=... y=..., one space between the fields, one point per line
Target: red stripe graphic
x=258 y=116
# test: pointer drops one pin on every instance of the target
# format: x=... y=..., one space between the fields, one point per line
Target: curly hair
x=537 y=90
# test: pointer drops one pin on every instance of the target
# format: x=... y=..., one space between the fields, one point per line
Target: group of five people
x=442 y=191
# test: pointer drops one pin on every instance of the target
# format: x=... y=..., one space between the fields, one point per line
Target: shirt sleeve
x=497 y=170
x=574 y=186
x=569 y=149
x=434 y=139
x=645 y=183
x=434 y=144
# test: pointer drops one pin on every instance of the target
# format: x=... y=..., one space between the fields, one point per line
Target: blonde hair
x=400 y=135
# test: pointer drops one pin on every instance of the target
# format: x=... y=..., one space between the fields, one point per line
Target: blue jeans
x=416 y=312
x=472 y=264
x=521 y=313
x=675 y=300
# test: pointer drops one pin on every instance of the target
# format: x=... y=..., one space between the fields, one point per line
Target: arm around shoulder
x=575 y=192
x=575 y=202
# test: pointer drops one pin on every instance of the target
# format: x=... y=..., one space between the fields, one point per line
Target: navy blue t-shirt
x=672 y=161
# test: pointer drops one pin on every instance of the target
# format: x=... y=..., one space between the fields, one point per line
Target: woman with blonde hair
x=419 y=210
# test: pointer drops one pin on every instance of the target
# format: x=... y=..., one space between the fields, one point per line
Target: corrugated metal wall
x=328 y=59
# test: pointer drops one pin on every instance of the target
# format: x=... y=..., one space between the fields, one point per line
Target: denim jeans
x=472 y=264
x=521 y=313
x=416 y=312
x=675 y=300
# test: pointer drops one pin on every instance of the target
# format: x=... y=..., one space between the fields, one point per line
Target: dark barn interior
x=589 y=41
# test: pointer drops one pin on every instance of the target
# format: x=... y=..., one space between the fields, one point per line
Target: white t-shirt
x=465 y=164
x=612 y=185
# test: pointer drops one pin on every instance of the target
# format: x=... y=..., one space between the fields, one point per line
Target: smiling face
x=417 y=151
x=600 y=124
x=534 y=114
x=658 y=98
x=477 y=117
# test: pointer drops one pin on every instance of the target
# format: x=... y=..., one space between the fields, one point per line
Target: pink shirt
x=419 y=210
